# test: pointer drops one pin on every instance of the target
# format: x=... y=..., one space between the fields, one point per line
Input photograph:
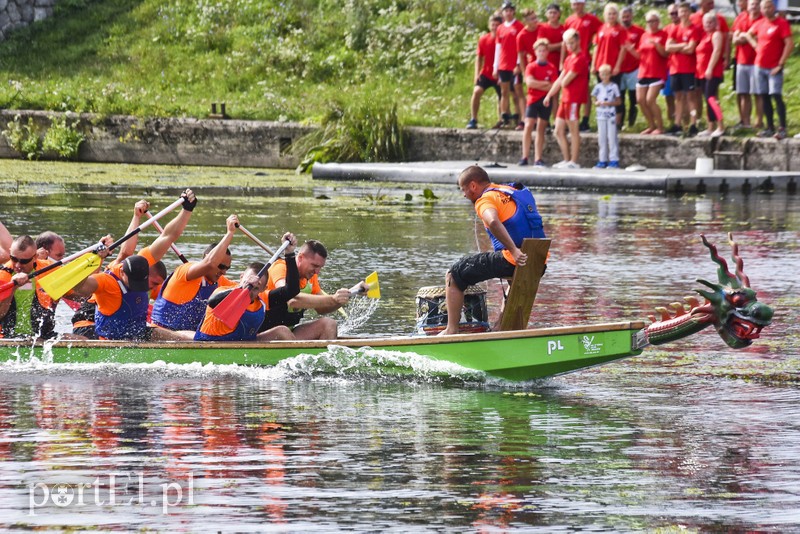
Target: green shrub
x=368 y=132
x=62 y=139
x=24 y=137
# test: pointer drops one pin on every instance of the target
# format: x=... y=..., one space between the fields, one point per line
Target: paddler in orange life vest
x=23 y=260
x=310 y=260
x=181 y=302
x=83 y=320
x=509 y=215
x=122 y=295
x=213 y=329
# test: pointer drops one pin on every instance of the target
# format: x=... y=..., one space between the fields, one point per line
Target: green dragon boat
x=730 y=307
x=517 y=355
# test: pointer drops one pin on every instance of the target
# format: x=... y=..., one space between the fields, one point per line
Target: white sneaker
x=561 y=164
x=571 y=165
x=705 y=133
x=719 y=132
x=797 y=136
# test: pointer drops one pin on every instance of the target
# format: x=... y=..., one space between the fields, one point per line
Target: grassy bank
x=267 y=60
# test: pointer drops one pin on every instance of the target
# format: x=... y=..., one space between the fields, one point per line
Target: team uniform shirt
x=181 y=303
x=668 y=29
x=683 y=63
x=770 y=35
x=554 y=36
x=525 y=40
x=606 y=92
x=507 y=44
x=577 y=90
x=42 y=311
x=629 y=62
x=609 y=41
x=704 y=51
x=486 y=46
x=586 y=26
x=542 y=73
x=745 y=53
x=651 y=63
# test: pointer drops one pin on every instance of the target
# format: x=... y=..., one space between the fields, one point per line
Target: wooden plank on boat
x=524 y=285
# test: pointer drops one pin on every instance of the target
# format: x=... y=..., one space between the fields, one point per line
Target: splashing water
x=359 y=310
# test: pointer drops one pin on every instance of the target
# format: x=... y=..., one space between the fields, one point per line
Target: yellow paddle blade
x=374 y=290
x=59 y=282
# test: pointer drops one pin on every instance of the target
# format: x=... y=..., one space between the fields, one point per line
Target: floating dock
x=635 y=179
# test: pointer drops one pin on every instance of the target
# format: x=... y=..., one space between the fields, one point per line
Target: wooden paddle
x=256 y=240
x=233 y=306
x=6 y=288
x=172 y=245
x=60 y=282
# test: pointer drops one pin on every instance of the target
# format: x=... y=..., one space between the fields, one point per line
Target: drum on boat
x=432 y=310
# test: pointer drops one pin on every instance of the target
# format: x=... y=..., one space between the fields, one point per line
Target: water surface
x=691 y=435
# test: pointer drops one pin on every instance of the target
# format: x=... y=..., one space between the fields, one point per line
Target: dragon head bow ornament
x=731 y=306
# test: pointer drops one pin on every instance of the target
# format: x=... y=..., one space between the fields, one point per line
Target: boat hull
x=517 y=355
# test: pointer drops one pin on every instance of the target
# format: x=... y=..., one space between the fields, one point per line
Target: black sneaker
x=767 y=132
x=780 y=135
x=584 y=126
x=523 y=162
x=692 y=130
x=539 y=163
x=675 y=130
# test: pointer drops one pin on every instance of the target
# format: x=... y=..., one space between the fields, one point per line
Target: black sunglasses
x=223 y=267
x=22 y=261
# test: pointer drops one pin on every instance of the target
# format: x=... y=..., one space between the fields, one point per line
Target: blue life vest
x=246 y=330
x=129 y=321
x=526 y=221
x=186 y=316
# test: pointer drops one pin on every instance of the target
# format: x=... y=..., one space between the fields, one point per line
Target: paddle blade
x=59 y=282
x=232 y=307
x=6 y=290
x=374 y=290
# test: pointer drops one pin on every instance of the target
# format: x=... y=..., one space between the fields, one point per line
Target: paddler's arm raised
x=174 y=229
x=291 y=287
x=217 y=255
x=491 y=219
x=128 y=248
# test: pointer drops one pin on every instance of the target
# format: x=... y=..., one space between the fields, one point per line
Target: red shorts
x=569 y=111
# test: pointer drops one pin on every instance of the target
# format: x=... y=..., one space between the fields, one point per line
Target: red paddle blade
x=232 y=307
x=6 y=290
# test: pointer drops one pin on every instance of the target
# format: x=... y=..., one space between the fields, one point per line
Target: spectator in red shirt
x=669 y=95
x=553 y=31
x=526 y=38
x=610 y=49
x=587 y=26
x=539 y=78
x=506 y=68
x=771 y=36
x=484 y=65
x=630 y=65
x=574 y=79
x=652 y=71
x=696 y=18
x=681 y=44
x=710 y=69
x=744 y=75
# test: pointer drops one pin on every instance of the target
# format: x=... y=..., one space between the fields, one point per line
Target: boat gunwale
x=352 y=342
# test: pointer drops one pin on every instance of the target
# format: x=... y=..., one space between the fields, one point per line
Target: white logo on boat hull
x=553 y=346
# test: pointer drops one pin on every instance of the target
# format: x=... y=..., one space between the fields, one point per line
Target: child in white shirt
x=607 y=97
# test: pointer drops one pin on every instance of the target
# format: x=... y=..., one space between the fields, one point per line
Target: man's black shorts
x=537 y=110
x=475 y=268
x=506 y=76
x=484 y=83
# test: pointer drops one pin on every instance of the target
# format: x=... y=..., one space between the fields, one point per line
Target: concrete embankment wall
x=122 y=139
